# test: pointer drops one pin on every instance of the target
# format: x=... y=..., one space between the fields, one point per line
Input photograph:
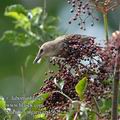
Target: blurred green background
x=16 y=80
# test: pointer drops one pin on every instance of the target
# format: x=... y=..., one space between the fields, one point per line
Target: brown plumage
x=55 y=48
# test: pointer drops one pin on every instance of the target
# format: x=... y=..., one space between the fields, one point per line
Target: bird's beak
x=37 y=59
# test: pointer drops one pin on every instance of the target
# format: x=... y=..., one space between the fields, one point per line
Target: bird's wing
x=72 y=37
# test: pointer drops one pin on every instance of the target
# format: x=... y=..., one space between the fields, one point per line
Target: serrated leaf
x=41 y=98
x=2 y=103
x=31 y=22
x=51 y=20
x=92 y=115
x=34 y=15
x=69 y=116
x=22 y=20
x=105 y=105
x=36 y=11
x=14 y=117
x=16 y=8
x=27 y=117
x=50 y=28
x=18 y=39
x=18 y=13
x=119 y=108
x=41 y=116
x=37 y=103
x=81 y=87
x=3 y=114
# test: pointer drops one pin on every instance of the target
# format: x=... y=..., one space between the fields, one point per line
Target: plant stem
x=75 y=117
x=96 y=113
x=105 y=17
x=44 y=9
x=63 y=95
x=96 y=104
x=116 y=87
x=23 y=80
x=97 y=108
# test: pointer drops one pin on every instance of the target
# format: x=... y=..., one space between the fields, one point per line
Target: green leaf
x=81 y=87
x=19 y=14
x=41 y=98
x=37 y=103
x=92 y=115
x=70 y=115
x=14 y=117
x=34 y=25
x=36 y=11
x=119 y=108
x=41 y=116
x=16 y=8
x=107 y=82
x=27 y=117
x=18 y=39
x=50 y=25
x=34 y=15
x=3 y=114
x=51 y=28
x=2 y=103
x=105 y=105
x=51 y=20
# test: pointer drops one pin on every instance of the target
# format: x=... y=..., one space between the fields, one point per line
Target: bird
x=55 y=47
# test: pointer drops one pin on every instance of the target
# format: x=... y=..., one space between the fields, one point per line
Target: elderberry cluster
x=82 y=10
x=80 y=57
x=105 y=6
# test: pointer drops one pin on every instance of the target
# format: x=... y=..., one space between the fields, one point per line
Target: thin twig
x=23 y=80
x=96 y=104
x=75 y=117
x=116 y=87
x=96 y=113
x=63 y=95
x=106 y=25
x=44 y=9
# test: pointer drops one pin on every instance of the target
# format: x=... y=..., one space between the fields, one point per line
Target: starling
x=56 y=47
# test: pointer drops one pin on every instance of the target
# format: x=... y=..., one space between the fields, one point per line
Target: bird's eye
x=41 y=51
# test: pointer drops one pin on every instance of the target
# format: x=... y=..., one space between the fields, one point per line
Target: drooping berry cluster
x=105 y=6
x=80 y=57
x=82 y=10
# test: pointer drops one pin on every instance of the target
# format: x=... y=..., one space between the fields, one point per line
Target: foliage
x=31 y=26
x=2 y=103
x=82 y=88
x=86 y=92
x=31 y=110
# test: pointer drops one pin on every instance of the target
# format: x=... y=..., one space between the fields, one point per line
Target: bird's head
x=50 y=48
x=45 y=50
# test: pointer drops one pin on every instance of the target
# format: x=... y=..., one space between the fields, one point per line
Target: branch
x=63 y=95
x=96 y=104
x=106 y=25
x=116 y=87
x=23 y=79
x=75 y=117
